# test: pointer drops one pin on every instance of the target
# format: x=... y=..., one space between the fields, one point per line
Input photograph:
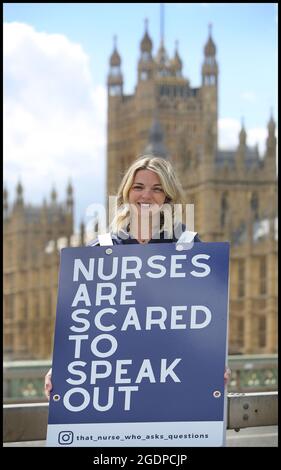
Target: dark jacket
x=125 y=238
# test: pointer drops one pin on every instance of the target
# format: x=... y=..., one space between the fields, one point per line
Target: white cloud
x=54 y=118
x=229 y=135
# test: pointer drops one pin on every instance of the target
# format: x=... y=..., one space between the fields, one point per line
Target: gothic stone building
x=31 y=266
x=234 y=192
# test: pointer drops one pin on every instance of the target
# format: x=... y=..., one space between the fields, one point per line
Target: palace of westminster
x=234 y=194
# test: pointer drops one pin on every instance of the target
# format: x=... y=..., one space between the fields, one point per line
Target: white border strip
x=173 y=434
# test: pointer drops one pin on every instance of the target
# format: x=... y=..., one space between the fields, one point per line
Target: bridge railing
x=23 y=380
x=28 y=421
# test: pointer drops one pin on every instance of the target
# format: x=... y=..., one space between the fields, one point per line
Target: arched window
x=146 y=56
x=224 y=208
x=262 y=276
x=115 y=71
x=261 y=331
x=115 y=90
x=144 y=75
x=241 y=278
x=240 y=331
x=255 y=205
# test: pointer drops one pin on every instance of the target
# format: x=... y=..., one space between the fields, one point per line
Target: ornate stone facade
x=234 y=192
x=33 y=237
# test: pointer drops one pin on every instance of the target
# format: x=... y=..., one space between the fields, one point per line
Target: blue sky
x=65 y=76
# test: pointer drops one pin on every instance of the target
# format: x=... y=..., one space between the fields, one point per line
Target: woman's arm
x=227 y=375
x=48 y=384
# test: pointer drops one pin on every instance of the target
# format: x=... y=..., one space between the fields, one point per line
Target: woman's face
x=146 y=191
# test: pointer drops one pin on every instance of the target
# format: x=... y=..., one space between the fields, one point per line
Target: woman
x=149 y=209
x=149 y=204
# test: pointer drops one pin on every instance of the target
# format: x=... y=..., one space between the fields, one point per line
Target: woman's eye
x=140 y=188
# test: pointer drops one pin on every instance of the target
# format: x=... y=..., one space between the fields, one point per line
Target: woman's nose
x=146 y=194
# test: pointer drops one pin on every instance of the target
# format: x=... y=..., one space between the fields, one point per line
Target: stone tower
x=234 y=191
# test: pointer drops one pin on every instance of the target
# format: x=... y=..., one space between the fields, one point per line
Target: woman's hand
x=227 y=375
x=48 y=384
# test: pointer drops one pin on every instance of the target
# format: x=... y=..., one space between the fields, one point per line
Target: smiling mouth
x=144 y=205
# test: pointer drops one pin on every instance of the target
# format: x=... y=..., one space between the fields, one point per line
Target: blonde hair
x=170 y=184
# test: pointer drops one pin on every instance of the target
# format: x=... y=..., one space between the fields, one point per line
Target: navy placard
x=140 y=346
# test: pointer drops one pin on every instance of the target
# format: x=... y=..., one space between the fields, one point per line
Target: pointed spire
x=210 y=47
x=242 y=134
x=271 y=139
x=115 y=78
x=210 y=66
x=53 y=195
x=271 y=124
x=19 y=189
x=19 y=194
x=146 y=43
x=146 y=62
x=69 y=189
x=162 y=61
x=176 y=62
x=115 y=59
x=69 y=193
x=156 y=140
x=162 y=56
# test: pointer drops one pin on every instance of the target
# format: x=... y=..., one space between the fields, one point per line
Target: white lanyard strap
x=105 y=239
x=186 y=241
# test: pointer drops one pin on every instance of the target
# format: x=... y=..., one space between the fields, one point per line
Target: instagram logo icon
x=65 y=437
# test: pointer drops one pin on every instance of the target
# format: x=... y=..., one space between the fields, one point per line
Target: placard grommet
x=217 y=394
x=108 y=251
x=56 y=397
